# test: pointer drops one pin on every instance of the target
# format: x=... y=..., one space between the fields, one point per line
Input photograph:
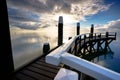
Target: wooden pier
x=39 y=69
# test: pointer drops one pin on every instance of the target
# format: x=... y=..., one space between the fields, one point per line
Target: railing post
x=98 y=45
x=84 y=44
x=80 y=41
x=60 y=31
x=78 y=28
x=92 y=30
x=6 y=56
x=76 y=46
x=106 y=42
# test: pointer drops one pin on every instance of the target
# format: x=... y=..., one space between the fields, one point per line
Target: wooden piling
x=60 y=31
x=98 y=45
x=78 y=28
x=84 y=44
x=6 y=58
x=46 y=48
x=91 y=37
x=92 y=30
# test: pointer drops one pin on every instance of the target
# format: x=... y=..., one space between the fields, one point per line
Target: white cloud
x=46 y=11
x=112 y=26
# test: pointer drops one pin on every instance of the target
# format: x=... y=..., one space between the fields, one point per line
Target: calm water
x=28 y=46
x=112 y=59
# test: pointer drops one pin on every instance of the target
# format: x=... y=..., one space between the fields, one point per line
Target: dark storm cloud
x=43 y=6
x=20 y=15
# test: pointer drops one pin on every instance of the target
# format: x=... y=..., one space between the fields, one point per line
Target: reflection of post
x=60 y=31
x=6 y=58
x=78 y=28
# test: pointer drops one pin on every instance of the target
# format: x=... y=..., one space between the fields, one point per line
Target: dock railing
x=62 y=55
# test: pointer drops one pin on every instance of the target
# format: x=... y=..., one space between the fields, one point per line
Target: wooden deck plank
x=36 y=75
x=38 y=70
x=47 y=65
x=45 y=68
x=42 y=72
x=21 y=76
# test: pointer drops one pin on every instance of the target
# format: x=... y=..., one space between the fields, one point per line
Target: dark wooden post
x=6 y=58
x=98 y=45
x=76 y=46
x=79 y=50
x=106 y=41
x=69 y=38
x=92 y=30
x=78 y=28
x=84 y=44
x=46 y=48
x=91 y=36
x=60 y=31
x=107 y=34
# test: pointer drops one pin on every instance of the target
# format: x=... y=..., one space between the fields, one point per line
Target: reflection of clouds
x=25 y=41
x=27 y=45
x=113 y=26
x=112 y=64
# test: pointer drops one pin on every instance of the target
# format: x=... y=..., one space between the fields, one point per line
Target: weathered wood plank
x=41 y=72
x=45 y=68
x=21 y=76
x=38 y=70
x=36 y=75
x=47 y=65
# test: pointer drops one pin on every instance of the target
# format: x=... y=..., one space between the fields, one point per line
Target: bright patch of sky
x=113 y=13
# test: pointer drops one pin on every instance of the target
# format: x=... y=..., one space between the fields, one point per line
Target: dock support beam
x=78 y=28
x=6 y=58
x=106 y=42
x=60 y=31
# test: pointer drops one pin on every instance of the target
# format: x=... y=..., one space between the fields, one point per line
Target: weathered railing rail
x=66 y=54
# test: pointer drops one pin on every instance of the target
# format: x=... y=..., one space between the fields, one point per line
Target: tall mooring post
x=78 y=28
x=92 y=30
x=6 y=58
x=60 y=31
x=91 y=36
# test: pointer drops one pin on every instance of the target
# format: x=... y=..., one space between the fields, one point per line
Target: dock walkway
x=38 y=70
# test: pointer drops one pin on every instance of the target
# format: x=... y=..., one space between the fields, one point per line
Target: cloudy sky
x=38 y=14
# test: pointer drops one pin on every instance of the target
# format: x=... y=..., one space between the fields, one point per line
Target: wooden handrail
x=61 y=55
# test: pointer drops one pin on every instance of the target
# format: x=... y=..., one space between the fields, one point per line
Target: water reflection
x=25 y=48
x=27 y=45
x=105 y=59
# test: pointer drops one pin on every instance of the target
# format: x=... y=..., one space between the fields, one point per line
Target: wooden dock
x=38 y=70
